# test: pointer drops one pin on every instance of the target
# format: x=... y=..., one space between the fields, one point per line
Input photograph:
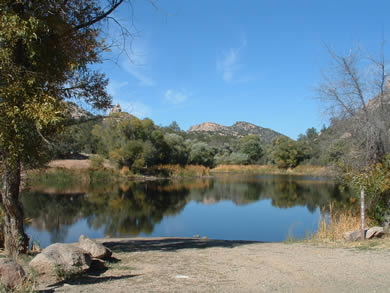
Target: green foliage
x=40 y=55
x=73 y=140
x=251 y=146
x=179 y=171
x=287 y=153
x=46 y=49
x=375 y=181
x=178 y=152
x=310 y=143
x=126 y=140
x=174 y=127
x=97 y=162
x=238 y=159
x=201 y=154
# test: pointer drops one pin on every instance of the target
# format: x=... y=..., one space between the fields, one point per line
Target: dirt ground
x=196 y=265
x=75 y=164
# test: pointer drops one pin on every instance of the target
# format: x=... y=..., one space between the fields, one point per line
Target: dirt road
x=195 y=265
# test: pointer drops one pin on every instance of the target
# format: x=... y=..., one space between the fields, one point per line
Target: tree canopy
x=46 y=48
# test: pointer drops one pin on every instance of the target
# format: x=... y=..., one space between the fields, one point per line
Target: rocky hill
x=77 y=113
x=238 y=129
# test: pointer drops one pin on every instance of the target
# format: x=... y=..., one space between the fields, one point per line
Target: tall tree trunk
x=15 y=240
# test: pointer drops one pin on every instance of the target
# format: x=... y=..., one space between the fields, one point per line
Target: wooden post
x=362 y=208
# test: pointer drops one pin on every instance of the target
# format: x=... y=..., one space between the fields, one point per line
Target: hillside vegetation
x=139 y=144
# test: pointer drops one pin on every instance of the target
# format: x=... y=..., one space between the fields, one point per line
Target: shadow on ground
x=95 y=274
x=170 y=244
x=84 y=280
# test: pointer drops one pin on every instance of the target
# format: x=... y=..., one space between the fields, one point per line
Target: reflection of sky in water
x=223 y=220
x=73 y=233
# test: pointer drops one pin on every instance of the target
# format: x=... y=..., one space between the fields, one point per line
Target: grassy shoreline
x=304 y=170
x=67 y=173
x=196 y=170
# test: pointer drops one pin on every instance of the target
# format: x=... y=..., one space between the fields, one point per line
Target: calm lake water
x=262 y=208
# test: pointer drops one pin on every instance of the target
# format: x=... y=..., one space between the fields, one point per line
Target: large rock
x=59 y=261
x=96 y=250
x=11 y=274
x=375 y=232
x=353 y=235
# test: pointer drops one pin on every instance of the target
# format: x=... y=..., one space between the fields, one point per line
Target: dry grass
x=337 y=224
x=269 y=169
x=78 y=164
x=179 y=171
x=331 y=232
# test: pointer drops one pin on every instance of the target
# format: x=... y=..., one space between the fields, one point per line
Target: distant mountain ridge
x=240 y=128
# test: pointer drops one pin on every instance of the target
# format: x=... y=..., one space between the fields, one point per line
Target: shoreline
x=84 y=165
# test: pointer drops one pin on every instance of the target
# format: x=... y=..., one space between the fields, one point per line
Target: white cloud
x=137 y=109
x=175 y=97
x=114 y=86
x=229 y=64
x=134 y=60
x=137 y=71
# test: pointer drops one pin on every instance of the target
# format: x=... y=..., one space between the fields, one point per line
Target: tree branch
x=100 y=17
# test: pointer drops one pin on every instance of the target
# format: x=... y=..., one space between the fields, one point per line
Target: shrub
x=96 y=162
x=375 y=181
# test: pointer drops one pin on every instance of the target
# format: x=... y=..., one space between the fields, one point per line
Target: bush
x=179 y=171
x=375 y=181
x=287 y=153
x=96 y=162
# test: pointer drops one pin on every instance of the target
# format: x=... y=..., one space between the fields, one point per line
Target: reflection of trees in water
x=289 y=194
x=133 y=208
x=129 y=209
x=53 y=212
x=284 y=192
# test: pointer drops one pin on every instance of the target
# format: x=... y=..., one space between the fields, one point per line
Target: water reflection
x=137 y=207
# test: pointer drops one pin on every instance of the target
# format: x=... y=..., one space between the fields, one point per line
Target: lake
x=232 y=207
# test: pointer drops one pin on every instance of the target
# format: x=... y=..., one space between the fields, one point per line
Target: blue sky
x=226 y=61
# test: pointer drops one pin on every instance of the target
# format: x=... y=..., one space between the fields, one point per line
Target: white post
x=362 y=212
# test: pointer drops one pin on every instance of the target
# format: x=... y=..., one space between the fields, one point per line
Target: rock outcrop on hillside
x=77 y=113
x=238 y=129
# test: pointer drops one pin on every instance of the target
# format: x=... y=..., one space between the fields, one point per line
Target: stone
x=375 y=232
x=59 y=261
x=11 y=273
x=353 y=235
x=116 y=109
x=96 y=250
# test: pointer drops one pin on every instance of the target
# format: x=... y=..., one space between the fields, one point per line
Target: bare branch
x=100 y=17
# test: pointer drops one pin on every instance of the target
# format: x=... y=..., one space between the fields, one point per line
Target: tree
x=287 y=153
x=251 y=146
x=355 y=91
x=46 y=48
x=178 y=153
x=174 y=127
x=129 y=141
x=201 y=154
x=310 y=143
x=238 y=158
